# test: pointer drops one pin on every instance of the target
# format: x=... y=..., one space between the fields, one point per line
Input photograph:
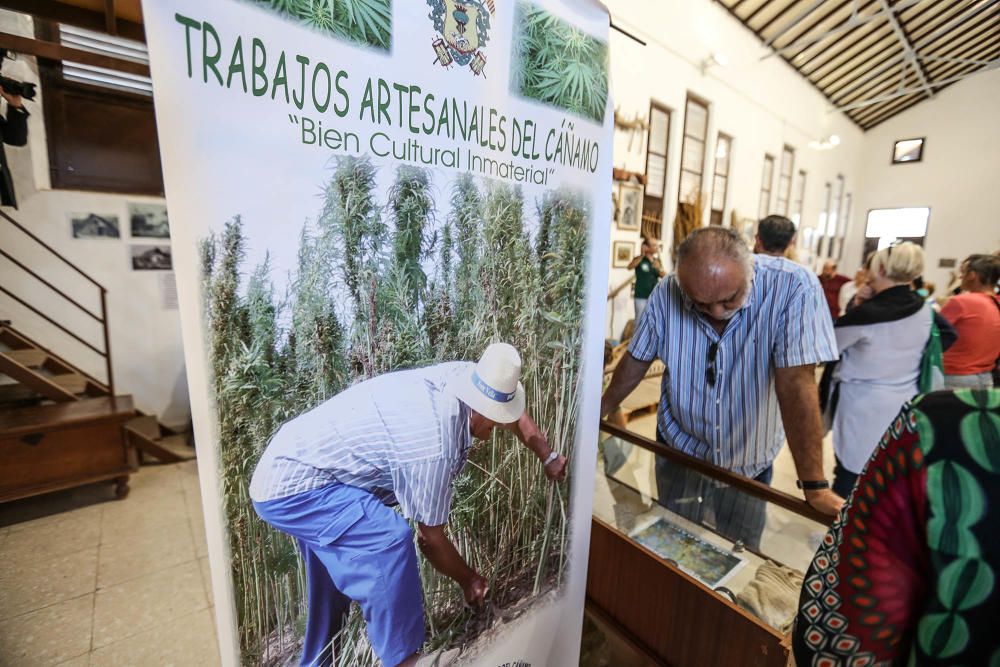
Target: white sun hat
x=493 y=389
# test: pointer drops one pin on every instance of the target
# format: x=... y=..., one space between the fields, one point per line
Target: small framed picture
x=908 y=150
x=623 y=253
x=95 y=226
x=629 y=206
x=149 y=221
x=151 y=258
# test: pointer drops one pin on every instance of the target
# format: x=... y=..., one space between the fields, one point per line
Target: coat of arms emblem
x=463 y=30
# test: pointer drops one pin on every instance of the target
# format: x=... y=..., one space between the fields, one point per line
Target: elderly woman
x=975 y=314
x=881 y=344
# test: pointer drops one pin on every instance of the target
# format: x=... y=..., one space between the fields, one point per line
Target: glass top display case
x=684 y=554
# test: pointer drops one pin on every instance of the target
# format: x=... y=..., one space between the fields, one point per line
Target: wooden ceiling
x=875 y=58
x=115 y=17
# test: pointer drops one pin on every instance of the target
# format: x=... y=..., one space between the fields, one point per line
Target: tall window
x=720 y=181
x=846 y=215
x=785 y=179
x=657 y=142
x=834 y=223
x=767 y=176
x=693 y=151
x=800 y=195
x=824 y=221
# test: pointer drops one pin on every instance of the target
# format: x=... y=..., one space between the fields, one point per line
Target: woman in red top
x=975 y=314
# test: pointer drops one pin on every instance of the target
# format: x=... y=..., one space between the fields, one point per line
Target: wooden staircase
x=38 y=376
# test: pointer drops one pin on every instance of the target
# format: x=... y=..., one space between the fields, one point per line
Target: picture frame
x=630 y=206
x=622 y=253
x=148 y=221
x=151 y=258
x=94 y=225
x=905 y=151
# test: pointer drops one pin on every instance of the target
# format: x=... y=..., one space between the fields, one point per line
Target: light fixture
x=717 y=58
x=826 y=144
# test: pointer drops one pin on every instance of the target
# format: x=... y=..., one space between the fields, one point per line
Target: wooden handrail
x=745 y=484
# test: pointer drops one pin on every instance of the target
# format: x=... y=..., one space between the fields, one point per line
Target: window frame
x=652 y=205
x=716 y=215
x=785 y=180
x=766 y=187
x=686 y=136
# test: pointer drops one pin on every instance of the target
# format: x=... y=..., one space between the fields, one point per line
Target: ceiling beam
x=58 y=12
x=855 y=20
x=58 y=52
x=909 y=53
x=795 y=21
x=995 y=64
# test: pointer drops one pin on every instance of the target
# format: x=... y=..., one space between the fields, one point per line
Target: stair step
x=177 y=445
x=71 y=382
x=144 y=434
x=28 y=357
x=49 y=387
x=145 y=426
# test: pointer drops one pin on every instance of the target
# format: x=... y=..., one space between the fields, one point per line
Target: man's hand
x=475 y=589
x=13 y=100
x=556 y=470
x=825 y=500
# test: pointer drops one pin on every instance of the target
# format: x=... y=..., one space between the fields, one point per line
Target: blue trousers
x=354 y=548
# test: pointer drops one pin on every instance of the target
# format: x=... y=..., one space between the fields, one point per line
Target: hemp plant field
x=423 y=271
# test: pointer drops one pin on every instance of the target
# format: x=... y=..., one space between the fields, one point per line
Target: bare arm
x=627 y=377
x=798 y=399
x=635 y=262
x=527 y=432
x=443 y=555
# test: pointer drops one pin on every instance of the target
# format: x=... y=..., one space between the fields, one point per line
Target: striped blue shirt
x=736 y=424
x=403 y=436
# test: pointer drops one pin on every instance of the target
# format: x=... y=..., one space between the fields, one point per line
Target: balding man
x=740 y=336
x=832 y=282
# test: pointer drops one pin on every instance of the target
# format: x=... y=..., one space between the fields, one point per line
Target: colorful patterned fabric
x=907 y=574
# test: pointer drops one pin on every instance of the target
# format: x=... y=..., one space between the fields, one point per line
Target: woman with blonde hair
x=881 y=343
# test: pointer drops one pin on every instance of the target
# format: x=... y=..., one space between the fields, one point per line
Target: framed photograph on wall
x=95 y=226
x=908 y=150
x=622 y=254
x=149 y=221
x=151 y=258
x=630 y=206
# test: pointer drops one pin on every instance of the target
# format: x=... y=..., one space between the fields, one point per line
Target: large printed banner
x=366 y=196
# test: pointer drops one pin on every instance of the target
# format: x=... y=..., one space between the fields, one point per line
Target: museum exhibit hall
x=499 y=333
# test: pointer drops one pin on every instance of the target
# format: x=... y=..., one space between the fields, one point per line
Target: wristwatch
x=553 y=455
x=812 y=485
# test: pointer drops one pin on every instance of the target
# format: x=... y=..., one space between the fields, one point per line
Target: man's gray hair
x=710 y=242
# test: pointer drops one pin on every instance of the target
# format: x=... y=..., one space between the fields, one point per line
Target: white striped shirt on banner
x=403 y=436
x=736 y=423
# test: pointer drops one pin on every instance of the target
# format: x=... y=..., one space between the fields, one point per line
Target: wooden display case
x=51 y=447
x=682 y=613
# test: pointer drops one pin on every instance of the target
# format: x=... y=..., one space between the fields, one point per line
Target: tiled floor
x=88 y=580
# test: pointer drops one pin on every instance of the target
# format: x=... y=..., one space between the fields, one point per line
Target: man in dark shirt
x=831 y=281
x=774 y=234
x=648 y=272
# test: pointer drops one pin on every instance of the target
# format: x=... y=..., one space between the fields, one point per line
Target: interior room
x=691 y=389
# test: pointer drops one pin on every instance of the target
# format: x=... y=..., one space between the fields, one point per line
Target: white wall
x=957 y=178
x=145 y=338
x=763 y=105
